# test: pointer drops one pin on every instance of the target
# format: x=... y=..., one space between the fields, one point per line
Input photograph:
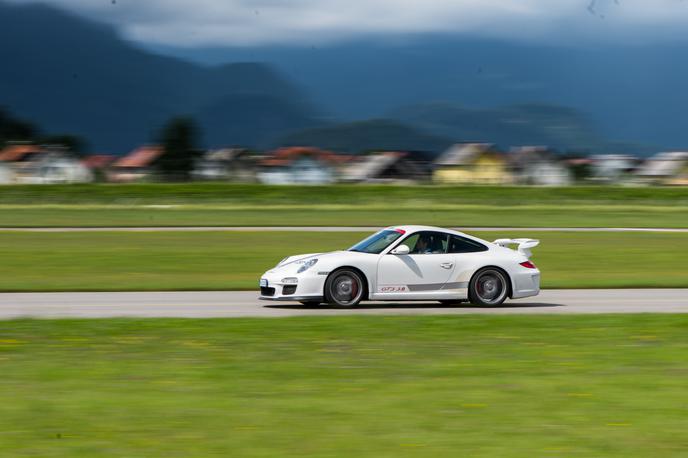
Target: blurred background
x=175 y=145
x=321 y=92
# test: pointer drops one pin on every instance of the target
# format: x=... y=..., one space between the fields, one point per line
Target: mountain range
x=67 y=74
x=631 y=92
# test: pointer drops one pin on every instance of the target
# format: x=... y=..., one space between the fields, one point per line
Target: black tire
x=344 y=288
x=310 y=303
x=489 y=287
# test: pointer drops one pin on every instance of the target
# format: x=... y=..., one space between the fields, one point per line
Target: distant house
x=11 y=154
x=384 y=167
x=233 y=164
x=6 y=174
x=472 y=163
x=536 y=165
x=15 y=152
x=98 y=165
x=98 y=161
x=135 y=166
x=665 y=168
x=51 y=167
x=18 y=152
x=300 y=165
x=612 y=168
x=33 y=164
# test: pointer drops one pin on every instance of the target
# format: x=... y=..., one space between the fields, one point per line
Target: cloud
x=259 y=22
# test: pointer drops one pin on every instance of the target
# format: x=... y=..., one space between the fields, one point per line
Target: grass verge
x=112 y=261
x=346 y=386
x=486 y=215
x=225 y=193
x=213 y=204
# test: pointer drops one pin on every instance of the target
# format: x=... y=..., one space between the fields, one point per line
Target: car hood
x=292 y=263
x=299 y=257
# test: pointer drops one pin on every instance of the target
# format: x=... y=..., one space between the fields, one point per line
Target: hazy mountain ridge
x=632 y=93
x=67 y=74
x=373 y=134
x=558 y=127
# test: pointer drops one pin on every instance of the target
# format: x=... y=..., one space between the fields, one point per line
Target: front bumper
x=293 y=298
x=308 y=287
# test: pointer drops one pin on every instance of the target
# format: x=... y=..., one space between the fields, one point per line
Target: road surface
x=245 y=304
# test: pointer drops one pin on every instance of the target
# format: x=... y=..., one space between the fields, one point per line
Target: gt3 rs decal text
x=393 y=289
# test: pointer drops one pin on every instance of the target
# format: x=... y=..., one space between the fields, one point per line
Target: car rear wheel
x=488 y=287
x=344 y=288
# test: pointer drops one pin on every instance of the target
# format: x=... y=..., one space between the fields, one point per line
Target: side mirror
x=401 y=249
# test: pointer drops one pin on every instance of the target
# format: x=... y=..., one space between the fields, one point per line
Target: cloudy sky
x=192 y=23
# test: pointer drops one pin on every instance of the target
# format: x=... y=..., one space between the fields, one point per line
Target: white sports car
x=408 y=263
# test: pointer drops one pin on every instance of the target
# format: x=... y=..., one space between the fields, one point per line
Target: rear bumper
x=526 y=284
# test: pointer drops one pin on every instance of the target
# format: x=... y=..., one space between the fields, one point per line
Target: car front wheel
x=344 y=288
x=488 y=287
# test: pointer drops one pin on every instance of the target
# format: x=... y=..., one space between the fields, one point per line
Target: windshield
x=377 y=242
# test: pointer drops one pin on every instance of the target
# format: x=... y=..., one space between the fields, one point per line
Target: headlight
x=307 y=265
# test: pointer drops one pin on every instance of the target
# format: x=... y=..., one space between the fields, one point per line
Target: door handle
x=447 y=265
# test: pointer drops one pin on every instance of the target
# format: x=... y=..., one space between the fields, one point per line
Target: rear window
x=463 y=245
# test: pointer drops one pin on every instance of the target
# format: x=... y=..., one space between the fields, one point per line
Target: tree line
x=178 y=138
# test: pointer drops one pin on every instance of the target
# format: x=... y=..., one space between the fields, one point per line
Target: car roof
x=410 y=229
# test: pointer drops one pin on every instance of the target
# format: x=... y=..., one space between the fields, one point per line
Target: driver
x=423 y=245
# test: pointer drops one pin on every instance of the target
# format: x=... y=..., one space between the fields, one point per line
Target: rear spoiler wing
x=524 y=245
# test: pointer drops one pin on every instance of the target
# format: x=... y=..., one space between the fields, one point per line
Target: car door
x=468 y=255
x=418 y=275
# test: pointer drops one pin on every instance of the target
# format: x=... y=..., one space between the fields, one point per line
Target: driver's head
x=422 y=244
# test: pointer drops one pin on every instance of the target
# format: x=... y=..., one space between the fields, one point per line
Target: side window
x=441 y=243
x=427 y=243
x=411 y=241
x=461 y=245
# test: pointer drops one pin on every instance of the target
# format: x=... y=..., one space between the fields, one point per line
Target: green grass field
x=245 y=205
x=487 y=215
x=80 y=261
x=246 y=194
x=535 y=386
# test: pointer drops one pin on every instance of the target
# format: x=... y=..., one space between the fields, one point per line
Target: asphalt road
x=245 y=304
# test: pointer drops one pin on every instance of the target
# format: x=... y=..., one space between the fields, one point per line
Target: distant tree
x=12 y=129
x=71 y=142
x=579 y=167
x=178 y=140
